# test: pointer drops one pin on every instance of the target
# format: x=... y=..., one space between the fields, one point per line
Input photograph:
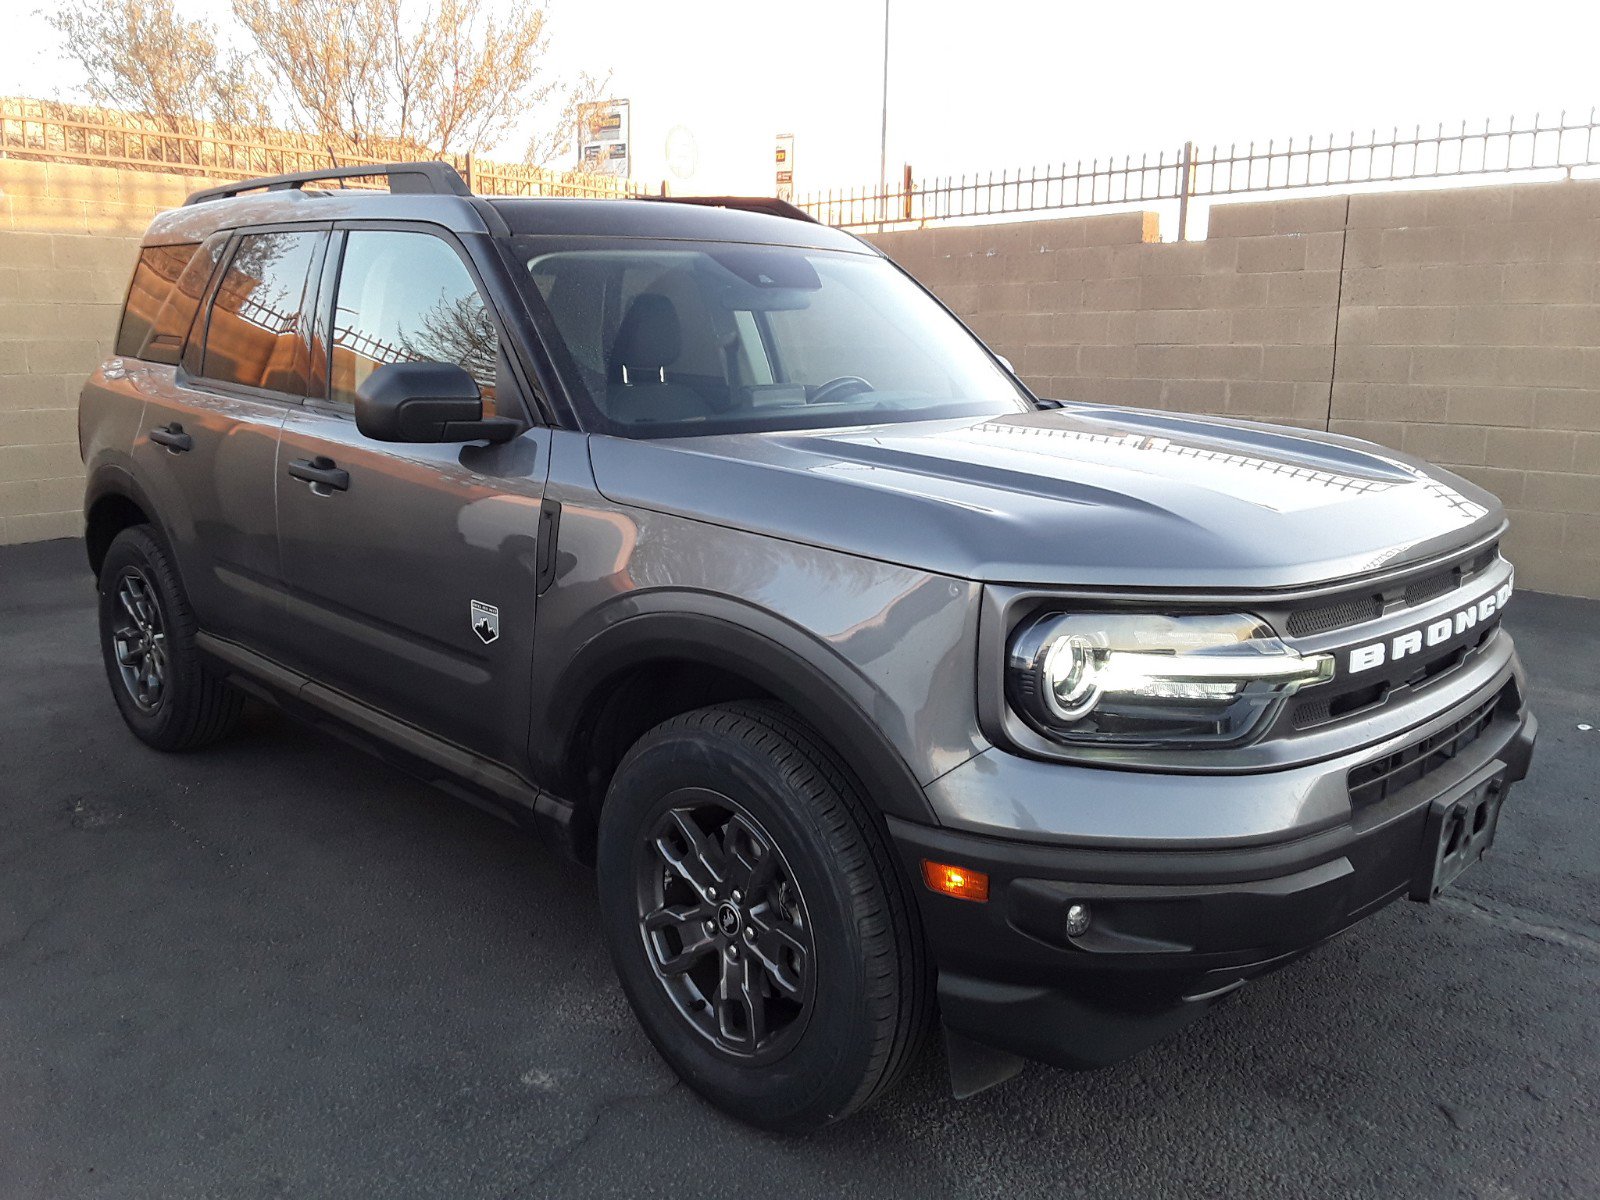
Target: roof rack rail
x=436 y=178
x=770 y=205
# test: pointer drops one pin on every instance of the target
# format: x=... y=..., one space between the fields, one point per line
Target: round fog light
x=1077 y=920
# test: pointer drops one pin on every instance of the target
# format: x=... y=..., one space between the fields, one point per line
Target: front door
x=410 y=578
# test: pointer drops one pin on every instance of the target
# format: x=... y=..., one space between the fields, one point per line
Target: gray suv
x=701 y=540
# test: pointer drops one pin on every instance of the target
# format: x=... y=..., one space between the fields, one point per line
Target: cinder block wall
x=1096 y=308
x=1469 y=333
x=1461 y=325
x=68 y=239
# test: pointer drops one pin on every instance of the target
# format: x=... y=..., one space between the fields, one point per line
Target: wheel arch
x=114 y=501
x=714 y=657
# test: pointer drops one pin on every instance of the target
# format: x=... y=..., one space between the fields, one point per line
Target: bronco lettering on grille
x=1435 y=633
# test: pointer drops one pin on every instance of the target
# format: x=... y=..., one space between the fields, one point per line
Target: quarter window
x=407 y=297
x=253 y=336
x=154 y=278
x=171 y=330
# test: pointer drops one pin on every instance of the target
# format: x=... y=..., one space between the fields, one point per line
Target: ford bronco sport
x=702 y=540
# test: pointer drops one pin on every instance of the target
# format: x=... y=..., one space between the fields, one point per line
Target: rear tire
x=757 y=922
x=167 y=693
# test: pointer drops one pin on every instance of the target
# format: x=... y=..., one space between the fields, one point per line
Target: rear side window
x=408 y=297
x=166 y=341
x=155 y=278
x=253 y=335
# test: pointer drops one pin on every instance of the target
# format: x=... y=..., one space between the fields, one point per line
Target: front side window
x=675 y=339
x=253 y=335
x=408 y=297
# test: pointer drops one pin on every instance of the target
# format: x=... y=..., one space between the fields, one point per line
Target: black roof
x=690 y=218
x=435 y=191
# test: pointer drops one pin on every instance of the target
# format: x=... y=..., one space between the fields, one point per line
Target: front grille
x=1373 y=782
x=1321 y=706
x=1432 y=587
x=1321 y=709
x=1359 y=607
x=1354 y=611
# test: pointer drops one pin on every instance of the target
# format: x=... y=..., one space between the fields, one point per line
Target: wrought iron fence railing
x=1191 y=172
x=30 y=130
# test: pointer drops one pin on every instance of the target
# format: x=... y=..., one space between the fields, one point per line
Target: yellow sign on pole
x=785 y=165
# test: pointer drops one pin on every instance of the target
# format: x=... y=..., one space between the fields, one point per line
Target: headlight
x=1128 y=679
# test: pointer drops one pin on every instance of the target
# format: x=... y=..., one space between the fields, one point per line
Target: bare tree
x=554 y=139
x=456 y=329
x=450 y=75
x=144 y=56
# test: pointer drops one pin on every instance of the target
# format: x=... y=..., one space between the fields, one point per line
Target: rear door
x=412 y=586
x=206 y=451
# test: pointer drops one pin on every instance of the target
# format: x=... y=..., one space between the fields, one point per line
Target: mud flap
x=974 y=1066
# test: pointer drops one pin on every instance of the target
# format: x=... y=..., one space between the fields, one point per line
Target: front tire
x=756 y=920
x=168 y=695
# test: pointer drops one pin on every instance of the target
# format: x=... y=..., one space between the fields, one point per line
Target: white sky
x=988 y=84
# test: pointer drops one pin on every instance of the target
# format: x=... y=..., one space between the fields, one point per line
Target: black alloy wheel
x=169 y=695
x=725 y=926
x=763 y=933
x=139 y=640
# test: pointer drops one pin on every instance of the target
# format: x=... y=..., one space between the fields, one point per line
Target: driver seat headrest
x=649 y=338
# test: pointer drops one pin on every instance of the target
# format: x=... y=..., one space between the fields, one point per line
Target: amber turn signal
x=960 y=882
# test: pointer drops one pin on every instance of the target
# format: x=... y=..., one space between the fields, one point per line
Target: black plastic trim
x=548 y=541
x=471 y=775
x=559 y=704
x=1170 y=931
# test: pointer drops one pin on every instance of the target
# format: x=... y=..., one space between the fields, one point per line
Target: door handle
x=172 y=437
x=320 y=471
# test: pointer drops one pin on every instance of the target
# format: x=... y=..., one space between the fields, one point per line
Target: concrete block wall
x=1459 y=325
x=1462 y=325
x=68 y=239
x=1469 y=334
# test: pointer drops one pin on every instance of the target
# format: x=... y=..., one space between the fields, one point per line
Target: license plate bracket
x=1459 y=829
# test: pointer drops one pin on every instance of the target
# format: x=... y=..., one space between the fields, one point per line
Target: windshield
x=672 y=339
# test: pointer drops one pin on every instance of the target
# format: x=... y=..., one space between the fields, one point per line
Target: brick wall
x=68 y=238
x=1461 y=325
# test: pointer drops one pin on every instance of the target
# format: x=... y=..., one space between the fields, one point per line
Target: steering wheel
x=838 y=389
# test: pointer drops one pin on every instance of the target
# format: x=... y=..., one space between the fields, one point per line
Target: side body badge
x=485 y=621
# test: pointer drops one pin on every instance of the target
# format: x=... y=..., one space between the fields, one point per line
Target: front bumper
x=1175 y=928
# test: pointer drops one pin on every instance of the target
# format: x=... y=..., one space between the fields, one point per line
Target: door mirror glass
x=425 y=402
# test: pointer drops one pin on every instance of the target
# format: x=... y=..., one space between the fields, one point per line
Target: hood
x=1083 y=495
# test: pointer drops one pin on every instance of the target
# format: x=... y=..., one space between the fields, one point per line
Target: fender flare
x=797 y=670
x=114 y=479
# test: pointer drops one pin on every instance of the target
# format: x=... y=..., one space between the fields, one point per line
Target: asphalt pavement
x=278 y=968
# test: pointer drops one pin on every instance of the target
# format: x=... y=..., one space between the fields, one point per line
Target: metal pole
x=1185 y=186
x=883 y=128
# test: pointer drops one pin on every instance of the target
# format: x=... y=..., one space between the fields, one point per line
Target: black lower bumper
x=1172 y=930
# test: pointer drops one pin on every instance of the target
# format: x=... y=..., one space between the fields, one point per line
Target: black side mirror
x=426 y=402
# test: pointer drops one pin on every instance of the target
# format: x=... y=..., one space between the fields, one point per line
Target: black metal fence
x=1191 y=172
